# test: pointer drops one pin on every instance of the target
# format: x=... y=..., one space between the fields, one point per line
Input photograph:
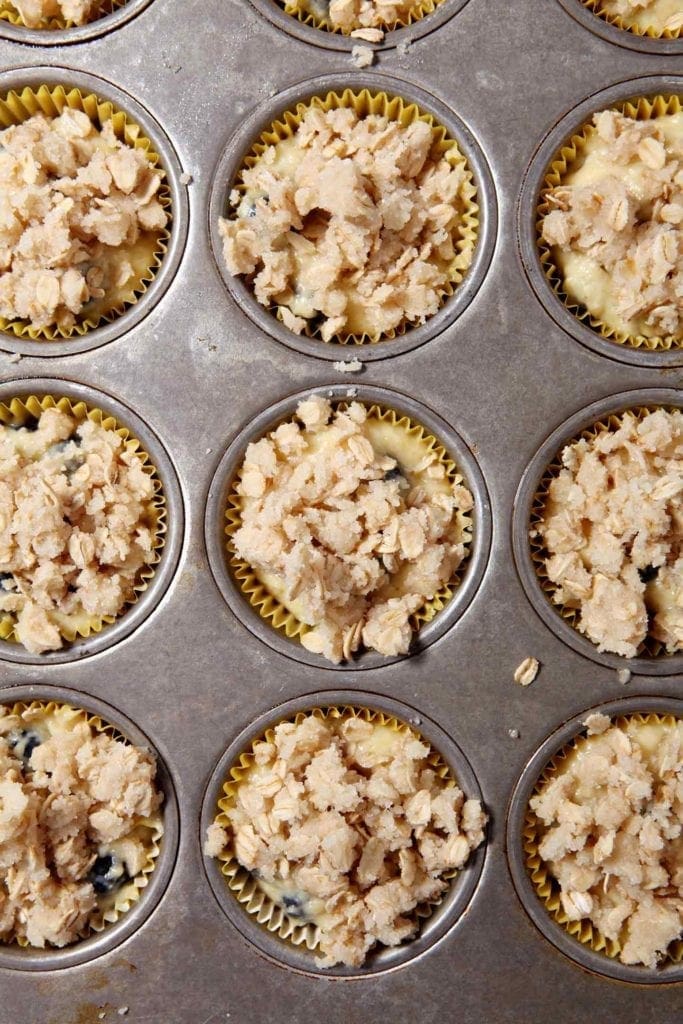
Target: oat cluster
x=352 y=524
x=616 y=224
x=612 y=817
x=349 y=15
x=660 y=15
x=613 y=529
x=347 y=826
x=75 y=810
x=79 y=218
x=76 y=525
x=351 y=225
x=38 y=13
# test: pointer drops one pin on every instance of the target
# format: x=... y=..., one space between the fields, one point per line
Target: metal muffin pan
x=444 y=917
x=505 y=375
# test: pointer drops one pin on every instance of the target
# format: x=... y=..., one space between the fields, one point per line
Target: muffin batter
x=37 y=13
x=349 y=15
x=659 y=15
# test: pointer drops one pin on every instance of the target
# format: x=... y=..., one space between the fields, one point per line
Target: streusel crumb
x=612 y=814
x=613 y=530
x=347 y=826
x=352 y=523
x=79 y=219
x=351 y=225
x=348 y=15
x=77 y=524
x=615 y=229
x=77 y=813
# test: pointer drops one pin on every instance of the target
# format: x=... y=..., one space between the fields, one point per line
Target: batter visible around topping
x=353 y=523
x=78 y=524
x=353 y=225
x=659 y=15
x=349 y=15
x=80 y=220
x=79 y=813
x=612 y=533
x=40 y=13
x=347 y=825
x=612 y=813
x=615 y=226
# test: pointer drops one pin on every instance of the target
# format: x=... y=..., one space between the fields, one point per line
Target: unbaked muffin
x=644 y=16
x=367 y=19
x=80 y=221
x=47 y=14
x=352 y=522
x=348 y=826
x=614 y=226
x=79 y=824
x=610 y=813
x=78 y=526
x=352 y=226
x=611 y=530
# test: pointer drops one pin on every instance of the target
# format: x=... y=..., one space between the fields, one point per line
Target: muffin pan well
x=200 y=368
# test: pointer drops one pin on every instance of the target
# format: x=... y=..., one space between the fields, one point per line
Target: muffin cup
x=650 y=647
x=9 y=13
x=596 y=6
x=16 y=412
x=17 y=107
x=297 y=10
x=641 y=109
x=274 y=611
x=394 y=108
x=130 y=893
x=238 y=892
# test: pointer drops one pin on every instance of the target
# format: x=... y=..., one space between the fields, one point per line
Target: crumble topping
x=349 y=16
x=77 y=525
x=37 y=13
x=350 y=225
x=352 y=523
x=612 y=815
x=615 y=229
x=613 y=530
x=644 y=14
x=76 y=812
x=79 y=219
x=346 y=825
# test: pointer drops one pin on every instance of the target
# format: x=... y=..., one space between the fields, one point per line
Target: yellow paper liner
x=20 y=410
x=394 y=108
x=546 y=886
x=272 y=610
x=596 y=6
x=245 y=887
x=641 y=109
x=299 y=10
x=650 y=647
x=9 y=13
x=131 y=892
x=15 y=108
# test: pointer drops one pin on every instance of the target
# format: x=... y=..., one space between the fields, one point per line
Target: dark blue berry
x=107 y=874
x=24 y=743
x=648 y=573
x=293 y=906
x=4 y=578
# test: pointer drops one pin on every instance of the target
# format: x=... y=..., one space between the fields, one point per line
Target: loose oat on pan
x=352 y=226
x=78 y=817
x=347 y=826
x=612 y=814
x=612 y=532
x=77 y=526
x=615 y=226
x=352 y=522
x=79 y=219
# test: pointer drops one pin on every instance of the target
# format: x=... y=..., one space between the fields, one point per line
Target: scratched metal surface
x=197 y=370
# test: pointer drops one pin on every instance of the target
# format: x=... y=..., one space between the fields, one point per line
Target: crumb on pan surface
x=352 y=225
x=79 y=219
x=612 y=532
x=615 y=225
x=362 y=56
x=77 y=525
x=660 y=15
x=611 y=813
x=40 y=13
x=78 y=810
x=351 y=523
x=346 y=825
x=348 y=16
x=526 y=671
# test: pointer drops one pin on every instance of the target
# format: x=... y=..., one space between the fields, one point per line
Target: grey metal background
x=197 y=370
